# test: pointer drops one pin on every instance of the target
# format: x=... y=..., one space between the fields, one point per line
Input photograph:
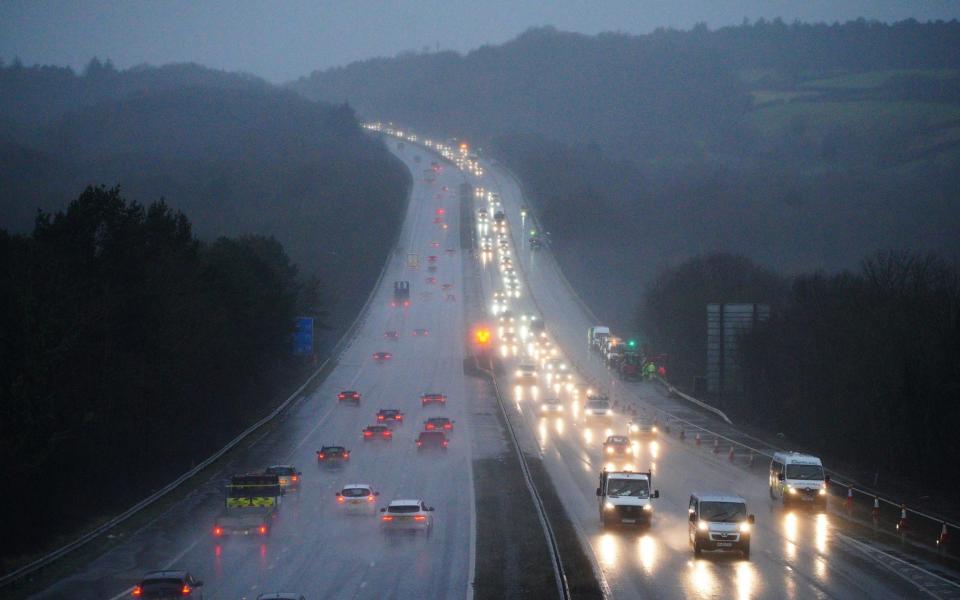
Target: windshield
x=637 y=488
x=809 y=472
x=598 y=403
x=723 y=512
x=404 y=509
x=332 y=449
x=281 y=470
x=355 y=492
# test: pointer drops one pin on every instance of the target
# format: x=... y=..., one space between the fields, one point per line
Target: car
x=389 y=416
x=526 y=373
x=434 y=244
x=446 y=287
x=433 y=398
x=280 y=596
x=597 y=406
x=642 y=427
x=432 y=439
x=617 y=444
x=392 y=335
x=332 y=455
x=439 y=424
x=349 y=396
x=421 y=332
x=719 y=521
x=163 y=585
x=407 y=515
x=288 y=475
x=450 y=251
x=431 y=280
x=432 y=268
x=382 y=356
x=432 y=258
x=377 y=432
x=358 y=497
x=551 y=404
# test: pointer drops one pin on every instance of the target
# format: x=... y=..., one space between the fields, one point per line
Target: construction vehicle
x=250 y=506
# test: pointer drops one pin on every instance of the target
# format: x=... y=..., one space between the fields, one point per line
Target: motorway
x=319 y=552
x=314 y=548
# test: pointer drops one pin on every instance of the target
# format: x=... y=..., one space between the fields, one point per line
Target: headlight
x=654 y=429
x=609 y=450
x=702 y=525
x=823 y=491
x=648 y=507
x=791 y=489
x=608 y=506
x=744 y=527
x=543 y=407
x=519 y=373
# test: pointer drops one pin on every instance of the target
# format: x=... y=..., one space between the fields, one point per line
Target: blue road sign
x=303 y=337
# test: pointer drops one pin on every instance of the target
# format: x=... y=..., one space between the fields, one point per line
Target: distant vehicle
x=432 y=259
x=450 y=251
x=617 y=444
x=358 y=497
x=642 y=427
x=596 y=335
x=167 y=585
x=434 y=244
x=798 y=478
x=535 y=243
x=421 y=332
x=401 y=294
x=624 y=498
x=439 y=424
x=499 y=217
x=526 y=373
x=349 y=396
x=719 y=522
x=382 y=356
x=392 y=335
x=551 y=404
x=389 y=416
x=377 y=432
x=288 y=475
x=431 y=280
x=446 y=287
x=407 y=514
x=332 y=455
x=251 y=503
x=433 y=398
x=597 y=406
x=432 y=439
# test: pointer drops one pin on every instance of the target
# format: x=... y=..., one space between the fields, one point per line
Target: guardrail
x=335 y=352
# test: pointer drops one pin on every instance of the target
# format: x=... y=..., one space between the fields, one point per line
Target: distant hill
x=237 y=154
x=802 y=146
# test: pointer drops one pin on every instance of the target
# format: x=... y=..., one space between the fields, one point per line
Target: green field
x=861 y=115
x=873 y=79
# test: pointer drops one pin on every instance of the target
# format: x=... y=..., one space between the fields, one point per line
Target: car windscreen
x=723 y=512
x=433 y=436
x=809 y=472
x=281 y=471
x=598 y=404
x=637 y=488
x=160 y=588
x=355 y=492
x=332 y=449
x=404 y=509
x=617 y=440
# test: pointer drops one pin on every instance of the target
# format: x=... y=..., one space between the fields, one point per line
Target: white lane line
x=871 y=551
x=129 y=591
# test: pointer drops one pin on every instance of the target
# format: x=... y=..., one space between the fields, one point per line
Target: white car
x=358 y=497
x=407 y=515
x=551 y=404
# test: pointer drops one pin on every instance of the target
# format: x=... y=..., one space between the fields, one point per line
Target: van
x=719 y=522
x=797 y=478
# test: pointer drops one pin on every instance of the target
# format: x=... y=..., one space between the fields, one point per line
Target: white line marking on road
x=869 y=551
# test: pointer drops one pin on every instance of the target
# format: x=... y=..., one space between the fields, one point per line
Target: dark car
x=164 y=585
x=377 y=432
x=433 y=398
x=392 y=335
x=389 y=416
x=432 y=439
x=421 y=332
x=349 y=396
x=382 y=356
x=332 y=455
x=438 y=424
x=617 y=444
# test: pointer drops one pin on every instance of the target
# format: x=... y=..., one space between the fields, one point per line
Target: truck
x=401 y=294
x=596 y=335
x=631 y=367
x=612 y=352
x=251 y=504
x=625 y=498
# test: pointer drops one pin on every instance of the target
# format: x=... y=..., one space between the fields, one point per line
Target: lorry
x=251 y=504
x=401 y=294
x=596 y=335
x=612 y=352
x=631 y=366
x=624 y=498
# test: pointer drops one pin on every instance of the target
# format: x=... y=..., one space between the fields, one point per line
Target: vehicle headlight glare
x=823 y=491
x=702 y=525
x=648 y=507
x=608 y=506
x=744 y=527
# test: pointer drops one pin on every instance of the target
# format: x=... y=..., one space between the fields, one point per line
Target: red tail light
x=429 y=425
x=370 y=498
x=379 y=417
x=217 y=531
x=419 y=518
x=340 y=499
x=387 y=433
x=293 y=478
x=387 y=518
x=447 y=426
x=186 y=591
x=444 y=443
x=263 y=530
x=367 y=433
x=398 y=417
x=137 y=591
x=346 y=455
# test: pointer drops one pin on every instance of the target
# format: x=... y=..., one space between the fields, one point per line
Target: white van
x=798 y=478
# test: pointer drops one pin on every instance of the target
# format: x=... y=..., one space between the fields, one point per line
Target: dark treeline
x=233 y=152
x=129 y=350
x=863 y=365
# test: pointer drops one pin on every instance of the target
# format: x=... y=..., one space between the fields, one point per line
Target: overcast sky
x=285 y=39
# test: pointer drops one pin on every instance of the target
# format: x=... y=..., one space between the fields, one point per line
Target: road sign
x=303 y=337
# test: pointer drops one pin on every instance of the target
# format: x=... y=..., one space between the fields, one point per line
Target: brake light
x=186 y=590
x=444 y=443
x=340 y=499
x=379 y=417
x=447 y=426
x=341 y=396
x=387 y=517
x=322 y=455
x=370 y=498
x=367 y=433
x=217 y=531
x=419 y=443
x=429 y=425
x=419 y=518
x=346 y=455
x=137 y=591
x=398 y=417
x=293 y=478
x=387 y=433
x=263 y=530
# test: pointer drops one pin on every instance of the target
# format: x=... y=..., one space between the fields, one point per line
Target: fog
x=286 y=40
